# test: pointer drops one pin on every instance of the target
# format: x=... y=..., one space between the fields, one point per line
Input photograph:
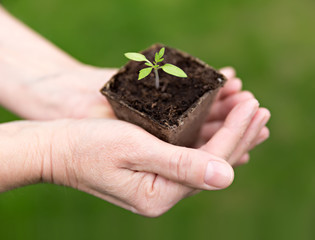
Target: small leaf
x=144 y=72
x=136 y=57
x=173 y=70
x=149 y=64
x=161 y=60
x=157 y=58
x=161 y=52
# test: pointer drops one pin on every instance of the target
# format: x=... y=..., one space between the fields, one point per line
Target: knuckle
x=179 y=165
x=247 y=143
x=149 y=201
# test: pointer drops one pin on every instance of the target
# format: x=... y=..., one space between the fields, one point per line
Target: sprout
x=168 y=68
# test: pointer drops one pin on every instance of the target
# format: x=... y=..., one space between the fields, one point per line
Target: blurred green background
x=271 y=43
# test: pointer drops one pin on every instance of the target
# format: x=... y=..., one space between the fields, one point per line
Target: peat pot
x=176 y=111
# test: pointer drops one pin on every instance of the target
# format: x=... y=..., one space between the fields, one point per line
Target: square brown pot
x=176 y=111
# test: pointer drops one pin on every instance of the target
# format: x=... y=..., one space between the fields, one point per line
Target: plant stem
x=157 y=79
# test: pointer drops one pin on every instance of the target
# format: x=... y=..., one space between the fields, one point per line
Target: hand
x=123 y=164
x=229 y=97
x=76 y=95
x=120 y=162
x=111 y=159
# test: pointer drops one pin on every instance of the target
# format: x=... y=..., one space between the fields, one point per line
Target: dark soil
x=174 y=96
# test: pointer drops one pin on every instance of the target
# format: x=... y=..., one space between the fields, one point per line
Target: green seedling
x=168 y=68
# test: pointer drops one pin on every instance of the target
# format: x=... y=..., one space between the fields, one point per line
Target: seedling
x=168 y=68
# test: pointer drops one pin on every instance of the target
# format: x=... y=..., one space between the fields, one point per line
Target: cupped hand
x=123 y=164
x=228 y=98
x=76 y=95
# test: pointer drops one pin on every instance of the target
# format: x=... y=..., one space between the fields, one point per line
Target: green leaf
x=136 y=57
x=161 y=52
x=149 y=64
x=157 y=58
x=173 y=70
x=161 y=60
x=144 y=72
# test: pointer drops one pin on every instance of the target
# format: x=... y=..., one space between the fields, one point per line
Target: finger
x=221 y=109
x=191 y=167
x=101 y=110
x=258 y=122
x=263 y=136
x=243 y=160
x=224 y=142
x=228 y=72
x=231 y=87
x=209 y=129
x=230 y=75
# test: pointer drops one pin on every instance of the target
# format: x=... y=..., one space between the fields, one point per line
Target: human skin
x=72 y=137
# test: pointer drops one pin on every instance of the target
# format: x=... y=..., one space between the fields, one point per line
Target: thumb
x=191 y=167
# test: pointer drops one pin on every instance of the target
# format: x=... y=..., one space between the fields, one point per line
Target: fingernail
x=253 y=105
x=219 y=174
x=250 y=108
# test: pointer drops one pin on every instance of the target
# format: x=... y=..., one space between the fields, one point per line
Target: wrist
x=34 y=152
x=56 y=157
x=20 y=155
x=70 y=93
x=36 y=91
